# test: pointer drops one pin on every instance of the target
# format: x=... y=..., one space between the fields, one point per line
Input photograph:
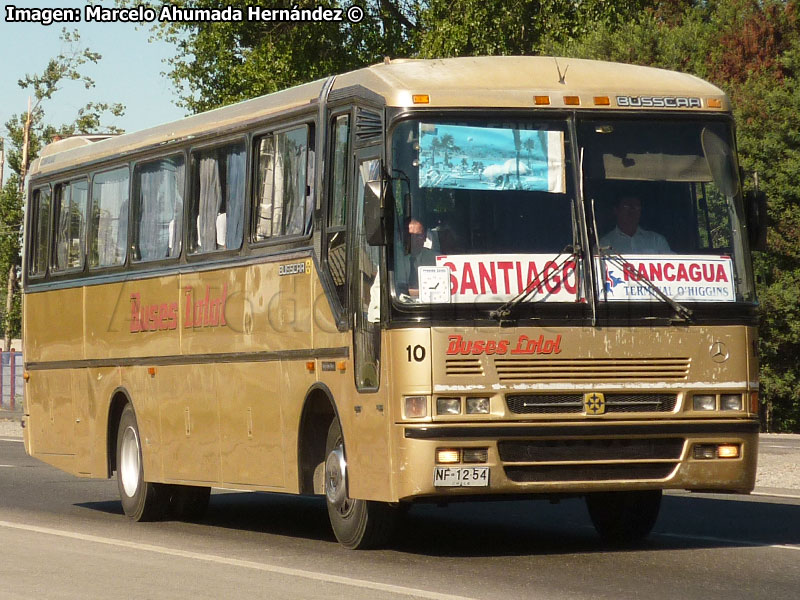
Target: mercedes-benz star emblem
x=719 y=352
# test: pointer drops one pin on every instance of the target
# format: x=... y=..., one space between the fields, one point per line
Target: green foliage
x=227 y=62
x=495 y=27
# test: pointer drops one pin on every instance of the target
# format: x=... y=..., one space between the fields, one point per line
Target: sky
x=130 y=71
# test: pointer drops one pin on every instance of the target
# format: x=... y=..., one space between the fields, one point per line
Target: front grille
x=569 y=473
x=590 y=450
x=592 y=369
x=546 y=404
x=463 y=366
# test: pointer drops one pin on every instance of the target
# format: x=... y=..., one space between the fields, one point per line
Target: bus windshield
x=482 y=209
x=666 y=200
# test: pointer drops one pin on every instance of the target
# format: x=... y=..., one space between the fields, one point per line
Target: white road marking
x=716 y=540
x=245 y=564
x=11 y=440
x=769 y=495
x=776 y=446
x=7 y=466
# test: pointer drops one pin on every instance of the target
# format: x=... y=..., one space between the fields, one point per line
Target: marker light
x=705 y=451
x=704 y=402
x=477 y=406
x=602 y=101
x=448 y=406
x=728 y=450
x=446 y=456
x=754 y=402
x=730 y=402
x=415 y=407
x=420 y=98
x=541 y=100
x=713 y=103
x=572 y=100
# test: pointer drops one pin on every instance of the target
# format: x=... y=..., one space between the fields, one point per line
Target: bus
x=422 y=281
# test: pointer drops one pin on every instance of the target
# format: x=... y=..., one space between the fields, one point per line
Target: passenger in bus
x=627 y=237
x=420 y=248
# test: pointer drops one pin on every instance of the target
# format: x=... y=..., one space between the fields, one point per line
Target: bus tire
x=189 y=502
x=357 y=524
x=141 y=500
x=624 y=517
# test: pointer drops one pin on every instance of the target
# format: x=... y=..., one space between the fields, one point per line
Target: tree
x=221 y=63
x=27 y=134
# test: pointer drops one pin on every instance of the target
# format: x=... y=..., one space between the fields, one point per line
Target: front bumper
x=576 y=458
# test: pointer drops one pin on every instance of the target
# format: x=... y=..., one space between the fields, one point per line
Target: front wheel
x=141 y=500
x=357 y=524
x=624 y=517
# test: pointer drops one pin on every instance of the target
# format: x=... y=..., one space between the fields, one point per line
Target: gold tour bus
x=422 y=281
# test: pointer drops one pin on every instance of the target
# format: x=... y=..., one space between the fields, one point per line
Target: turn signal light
x=714 y=103
x=754 y=402
x=728 y=450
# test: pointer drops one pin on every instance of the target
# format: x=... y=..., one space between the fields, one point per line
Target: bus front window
x=666 y=199
x=483 y=211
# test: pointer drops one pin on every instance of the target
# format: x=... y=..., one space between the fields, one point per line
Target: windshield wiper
x=682 y=312
x=505 y=310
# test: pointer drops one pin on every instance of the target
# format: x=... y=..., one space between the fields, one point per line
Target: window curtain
x=234 y=197
x=112 y=222
x=210 y=201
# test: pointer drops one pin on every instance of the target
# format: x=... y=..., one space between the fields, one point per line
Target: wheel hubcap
x=336 y=480
x=129 y=461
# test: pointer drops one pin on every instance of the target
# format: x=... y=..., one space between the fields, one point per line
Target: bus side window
x=108 y=241
x=216 y=211
x=337 y=206
x=70 y=212
x=283 y=194
x=158 y=209
x=40 y=232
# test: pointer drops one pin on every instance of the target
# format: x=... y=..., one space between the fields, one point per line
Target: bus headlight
x=730 y=402
x=448 y=406
x=477 y=406
x=704 y=402
x=415 y=407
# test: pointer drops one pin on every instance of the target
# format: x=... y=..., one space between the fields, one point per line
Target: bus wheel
x=624 y=517
x=141 y=500
x=357 y=524
x=188 y=502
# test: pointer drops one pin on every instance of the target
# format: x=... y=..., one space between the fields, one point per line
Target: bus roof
x=498 y=82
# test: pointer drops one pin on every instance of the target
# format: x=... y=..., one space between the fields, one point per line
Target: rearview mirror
x=373 y=214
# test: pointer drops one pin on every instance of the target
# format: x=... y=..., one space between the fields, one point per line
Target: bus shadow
x=515 y=528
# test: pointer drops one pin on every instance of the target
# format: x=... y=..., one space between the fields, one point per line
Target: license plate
x=461 y=476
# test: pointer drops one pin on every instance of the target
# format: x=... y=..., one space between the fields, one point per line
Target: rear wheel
x=141 y=500
x=357 y=524
x=624 y=517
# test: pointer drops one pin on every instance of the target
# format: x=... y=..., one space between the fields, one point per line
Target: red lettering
x=694 y=272
x=491 y=347
x=569 y=271
x=505 y=267
x=551 y=282
x=452 y=347
x=668 y=268
x=486 y=277
x=502 y=346
x=682 y=274
x=468 y=280
x=478 y=347
x=655 y=271
x=533 y=278
x=721 y=276
x=453 y=278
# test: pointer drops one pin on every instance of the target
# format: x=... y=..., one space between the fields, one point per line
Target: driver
x=627 y=237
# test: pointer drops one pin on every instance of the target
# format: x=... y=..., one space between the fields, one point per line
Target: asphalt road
x=64 y=537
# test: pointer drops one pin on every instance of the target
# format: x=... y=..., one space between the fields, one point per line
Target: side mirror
x=373 y=214
x=756 y=215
